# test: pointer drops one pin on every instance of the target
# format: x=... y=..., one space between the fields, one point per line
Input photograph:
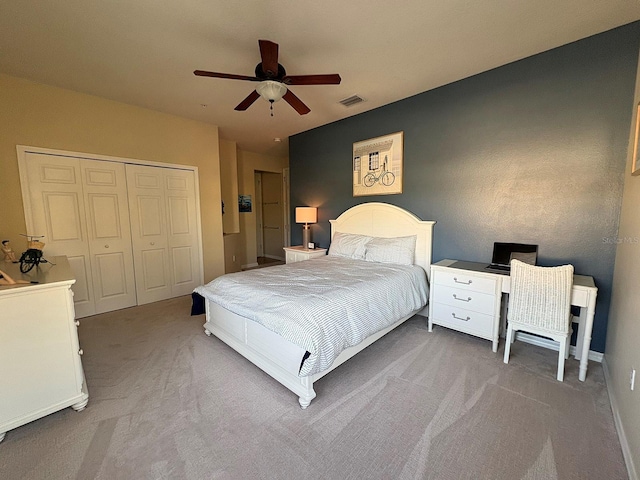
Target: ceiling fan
x=273 y=80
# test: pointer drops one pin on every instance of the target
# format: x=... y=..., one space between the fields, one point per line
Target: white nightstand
x=299 y=253
x=465 y=300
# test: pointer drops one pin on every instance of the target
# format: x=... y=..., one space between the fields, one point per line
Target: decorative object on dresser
x=540 y=303
x=9 y=254
x=306 y=215
x=377 y=165
x=32 y=256
x=40 y=363
x=300 y=253
x=321 y=309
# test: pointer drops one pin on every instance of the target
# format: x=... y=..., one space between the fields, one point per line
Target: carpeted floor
x=166 y=401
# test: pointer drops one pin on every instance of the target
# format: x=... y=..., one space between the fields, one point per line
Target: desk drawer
x=464 y=298
x=465 y=280
x=462 y=320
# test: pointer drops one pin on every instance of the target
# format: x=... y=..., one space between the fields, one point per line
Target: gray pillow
x=348 y=245
x=398 y=250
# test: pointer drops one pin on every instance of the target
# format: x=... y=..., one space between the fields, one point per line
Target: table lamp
x=306 y=215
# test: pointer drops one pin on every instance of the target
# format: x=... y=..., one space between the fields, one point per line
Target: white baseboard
x=626 y=450
x=550 y=344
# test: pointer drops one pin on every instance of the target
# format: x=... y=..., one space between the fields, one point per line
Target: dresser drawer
x=462 y=320
x=465 y=298
x=464 y=280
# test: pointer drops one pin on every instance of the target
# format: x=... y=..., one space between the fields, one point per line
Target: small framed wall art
x=378 y=165
x=244 y=203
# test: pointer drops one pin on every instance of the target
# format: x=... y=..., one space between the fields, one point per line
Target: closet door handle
x=106 y=246
x=152 y=243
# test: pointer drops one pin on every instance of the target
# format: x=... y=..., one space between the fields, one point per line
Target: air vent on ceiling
x=351 y=101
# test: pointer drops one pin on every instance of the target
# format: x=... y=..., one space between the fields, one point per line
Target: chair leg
x=561 y=357
x=507 y=343
x=568 y=345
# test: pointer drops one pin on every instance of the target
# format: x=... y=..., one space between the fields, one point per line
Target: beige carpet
x=166 y=401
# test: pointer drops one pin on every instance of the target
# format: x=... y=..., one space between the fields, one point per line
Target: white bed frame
x=280 y=358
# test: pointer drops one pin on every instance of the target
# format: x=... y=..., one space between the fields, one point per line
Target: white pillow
x=348 y=245
x=398 y=250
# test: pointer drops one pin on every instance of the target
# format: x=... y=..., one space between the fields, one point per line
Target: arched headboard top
x=378 y=219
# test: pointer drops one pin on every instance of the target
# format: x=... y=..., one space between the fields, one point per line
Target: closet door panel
x=57 y=211
x=149 y=233
x=184 y=256
x=82 y=294
x=105 y=193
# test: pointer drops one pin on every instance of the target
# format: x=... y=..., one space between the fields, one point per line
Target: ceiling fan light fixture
x=271 y=90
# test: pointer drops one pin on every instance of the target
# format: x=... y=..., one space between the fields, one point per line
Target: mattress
x=323 y=305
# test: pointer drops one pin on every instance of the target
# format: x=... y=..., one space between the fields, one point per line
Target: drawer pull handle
x=455 y=279
x=468 y=299
x=77 y=323
x=460 y=318
x=80 y=352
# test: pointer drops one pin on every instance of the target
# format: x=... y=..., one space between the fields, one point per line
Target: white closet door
x=58 y=212
x=149 y=233
x=182 y=231
x=107 y=207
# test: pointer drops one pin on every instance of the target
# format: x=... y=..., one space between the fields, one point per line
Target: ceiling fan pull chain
x=271 y=107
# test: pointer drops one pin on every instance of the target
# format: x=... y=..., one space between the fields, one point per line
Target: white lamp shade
x=271 y=91
x=306 y=214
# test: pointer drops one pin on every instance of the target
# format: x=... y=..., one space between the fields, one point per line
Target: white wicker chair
x=540 y=303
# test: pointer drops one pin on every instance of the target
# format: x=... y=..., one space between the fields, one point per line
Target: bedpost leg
x=306 y=401
x=310 y=394
x=207 y=332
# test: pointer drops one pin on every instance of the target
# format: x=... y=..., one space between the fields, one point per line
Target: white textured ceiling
x=143 y=52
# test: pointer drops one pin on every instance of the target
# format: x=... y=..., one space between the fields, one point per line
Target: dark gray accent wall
x=531 y=152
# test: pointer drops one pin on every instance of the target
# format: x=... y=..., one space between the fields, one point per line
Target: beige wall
x=43 y=116
x=248 y=164
x=229 y=186
x=623 y=333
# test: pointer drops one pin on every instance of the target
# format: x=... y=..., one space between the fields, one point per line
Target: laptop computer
x=503 y=253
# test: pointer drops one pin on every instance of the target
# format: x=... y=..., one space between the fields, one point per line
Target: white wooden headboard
x=378 y=219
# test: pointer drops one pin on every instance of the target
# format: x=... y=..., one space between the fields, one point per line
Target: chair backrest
x=540 y=296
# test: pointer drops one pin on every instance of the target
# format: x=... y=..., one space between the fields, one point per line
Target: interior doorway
x=270 y=237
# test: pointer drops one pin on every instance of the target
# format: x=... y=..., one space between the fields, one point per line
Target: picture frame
x=635 y=164
x=377 y=165
x=244 y=203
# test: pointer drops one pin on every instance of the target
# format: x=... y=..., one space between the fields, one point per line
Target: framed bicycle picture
x=377 y=165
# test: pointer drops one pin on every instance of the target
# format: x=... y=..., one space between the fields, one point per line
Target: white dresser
x=298 y=254
x=40 y=357
x=465 y=300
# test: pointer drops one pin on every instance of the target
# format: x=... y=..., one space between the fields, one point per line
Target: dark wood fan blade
x=247 y=102
x=269 y=55
x=330 y=79
x=296 y=103
x=203 y=73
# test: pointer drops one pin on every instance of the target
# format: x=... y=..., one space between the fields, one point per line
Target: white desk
x=583 y=295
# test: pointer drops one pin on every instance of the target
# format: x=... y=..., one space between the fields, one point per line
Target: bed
x=285 y=360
